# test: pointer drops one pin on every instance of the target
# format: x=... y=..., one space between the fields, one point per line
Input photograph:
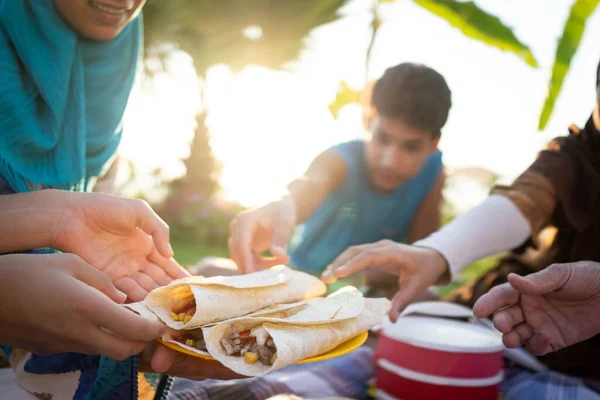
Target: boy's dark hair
x=414 y=93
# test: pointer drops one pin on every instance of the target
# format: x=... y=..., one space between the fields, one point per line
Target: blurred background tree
x=236 y=33
x=273 y=34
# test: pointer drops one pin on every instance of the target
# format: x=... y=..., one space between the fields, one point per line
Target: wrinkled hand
x=548 y=310
x=57 y=303
x=258 y=230
x=417 y=268
x=160 y=359
x=122 y=237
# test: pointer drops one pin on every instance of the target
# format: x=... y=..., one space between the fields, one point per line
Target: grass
x=188 y=254
x=470 y=272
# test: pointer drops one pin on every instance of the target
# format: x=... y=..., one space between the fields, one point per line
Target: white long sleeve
x=494 y=226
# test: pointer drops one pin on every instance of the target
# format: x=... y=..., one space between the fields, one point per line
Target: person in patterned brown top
x=549 y=215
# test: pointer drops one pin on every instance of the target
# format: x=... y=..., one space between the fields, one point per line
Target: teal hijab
x=62 y=97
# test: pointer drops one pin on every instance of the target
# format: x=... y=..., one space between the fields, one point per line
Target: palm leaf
x=566 y=49
x=345 y=95
x=465 y=16
x=478 y=24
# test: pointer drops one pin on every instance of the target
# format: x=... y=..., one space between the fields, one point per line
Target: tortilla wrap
x=172 y=335
x=221 y=298
x=142 y=310
x=294 y=342
x=346 y=303
x=279 y=311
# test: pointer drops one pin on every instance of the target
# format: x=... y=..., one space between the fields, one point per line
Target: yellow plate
x=342 y=349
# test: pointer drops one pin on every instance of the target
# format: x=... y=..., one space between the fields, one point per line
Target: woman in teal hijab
x=67 y=68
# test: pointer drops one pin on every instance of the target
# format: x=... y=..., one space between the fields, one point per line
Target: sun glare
x=261 y=136
x=260 y=132
x=253 y=32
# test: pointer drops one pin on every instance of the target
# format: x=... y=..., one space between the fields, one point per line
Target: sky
x=266 y=125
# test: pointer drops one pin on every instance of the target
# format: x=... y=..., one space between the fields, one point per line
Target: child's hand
x=261 y=229
x=417 y=268
x=122 y=237
x=57 y=303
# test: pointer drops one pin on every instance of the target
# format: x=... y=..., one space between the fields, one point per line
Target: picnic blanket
x=350 y=376
x=523 y=384
x=347 y=376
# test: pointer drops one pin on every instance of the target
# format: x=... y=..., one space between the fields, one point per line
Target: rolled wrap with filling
x=284 y=344
x=194 y=302
x=194 y=339
x=344 y=304
x=142 y=310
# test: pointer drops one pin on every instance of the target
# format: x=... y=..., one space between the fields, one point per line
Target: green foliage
x=344 y=96
x=236 y=33
x=202 y=168
x=212 y=31
x=188 y=254
x=477 y=24
x=192 y=209
x=200 y=221
x=467 y=17
x=566 y=49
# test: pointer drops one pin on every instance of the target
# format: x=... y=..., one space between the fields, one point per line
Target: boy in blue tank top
x=386 y=187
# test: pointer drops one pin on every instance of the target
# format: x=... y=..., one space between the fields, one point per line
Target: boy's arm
x=426 y=221
x=429 y=216
x=325 y=174
x=270 y=227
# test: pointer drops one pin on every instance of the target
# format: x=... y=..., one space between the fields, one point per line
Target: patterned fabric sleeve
x=535 y=197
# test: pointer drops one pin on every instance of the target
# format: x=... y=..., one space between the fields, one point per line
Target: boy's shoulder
x=433 y=164
x=351 y=152
x=349 y=149
x=349 y=144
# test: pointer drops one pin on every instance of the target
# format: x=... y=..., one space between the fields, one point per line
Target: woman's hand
x=56 y=303
x=122 y=237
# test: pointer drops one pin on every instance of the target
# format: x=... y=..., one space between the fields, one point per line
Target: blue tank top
x=356 y=214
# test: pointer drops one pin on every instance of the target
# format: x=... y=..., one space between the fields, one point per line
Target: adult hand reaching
x=546 y=311
x=417 y=268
